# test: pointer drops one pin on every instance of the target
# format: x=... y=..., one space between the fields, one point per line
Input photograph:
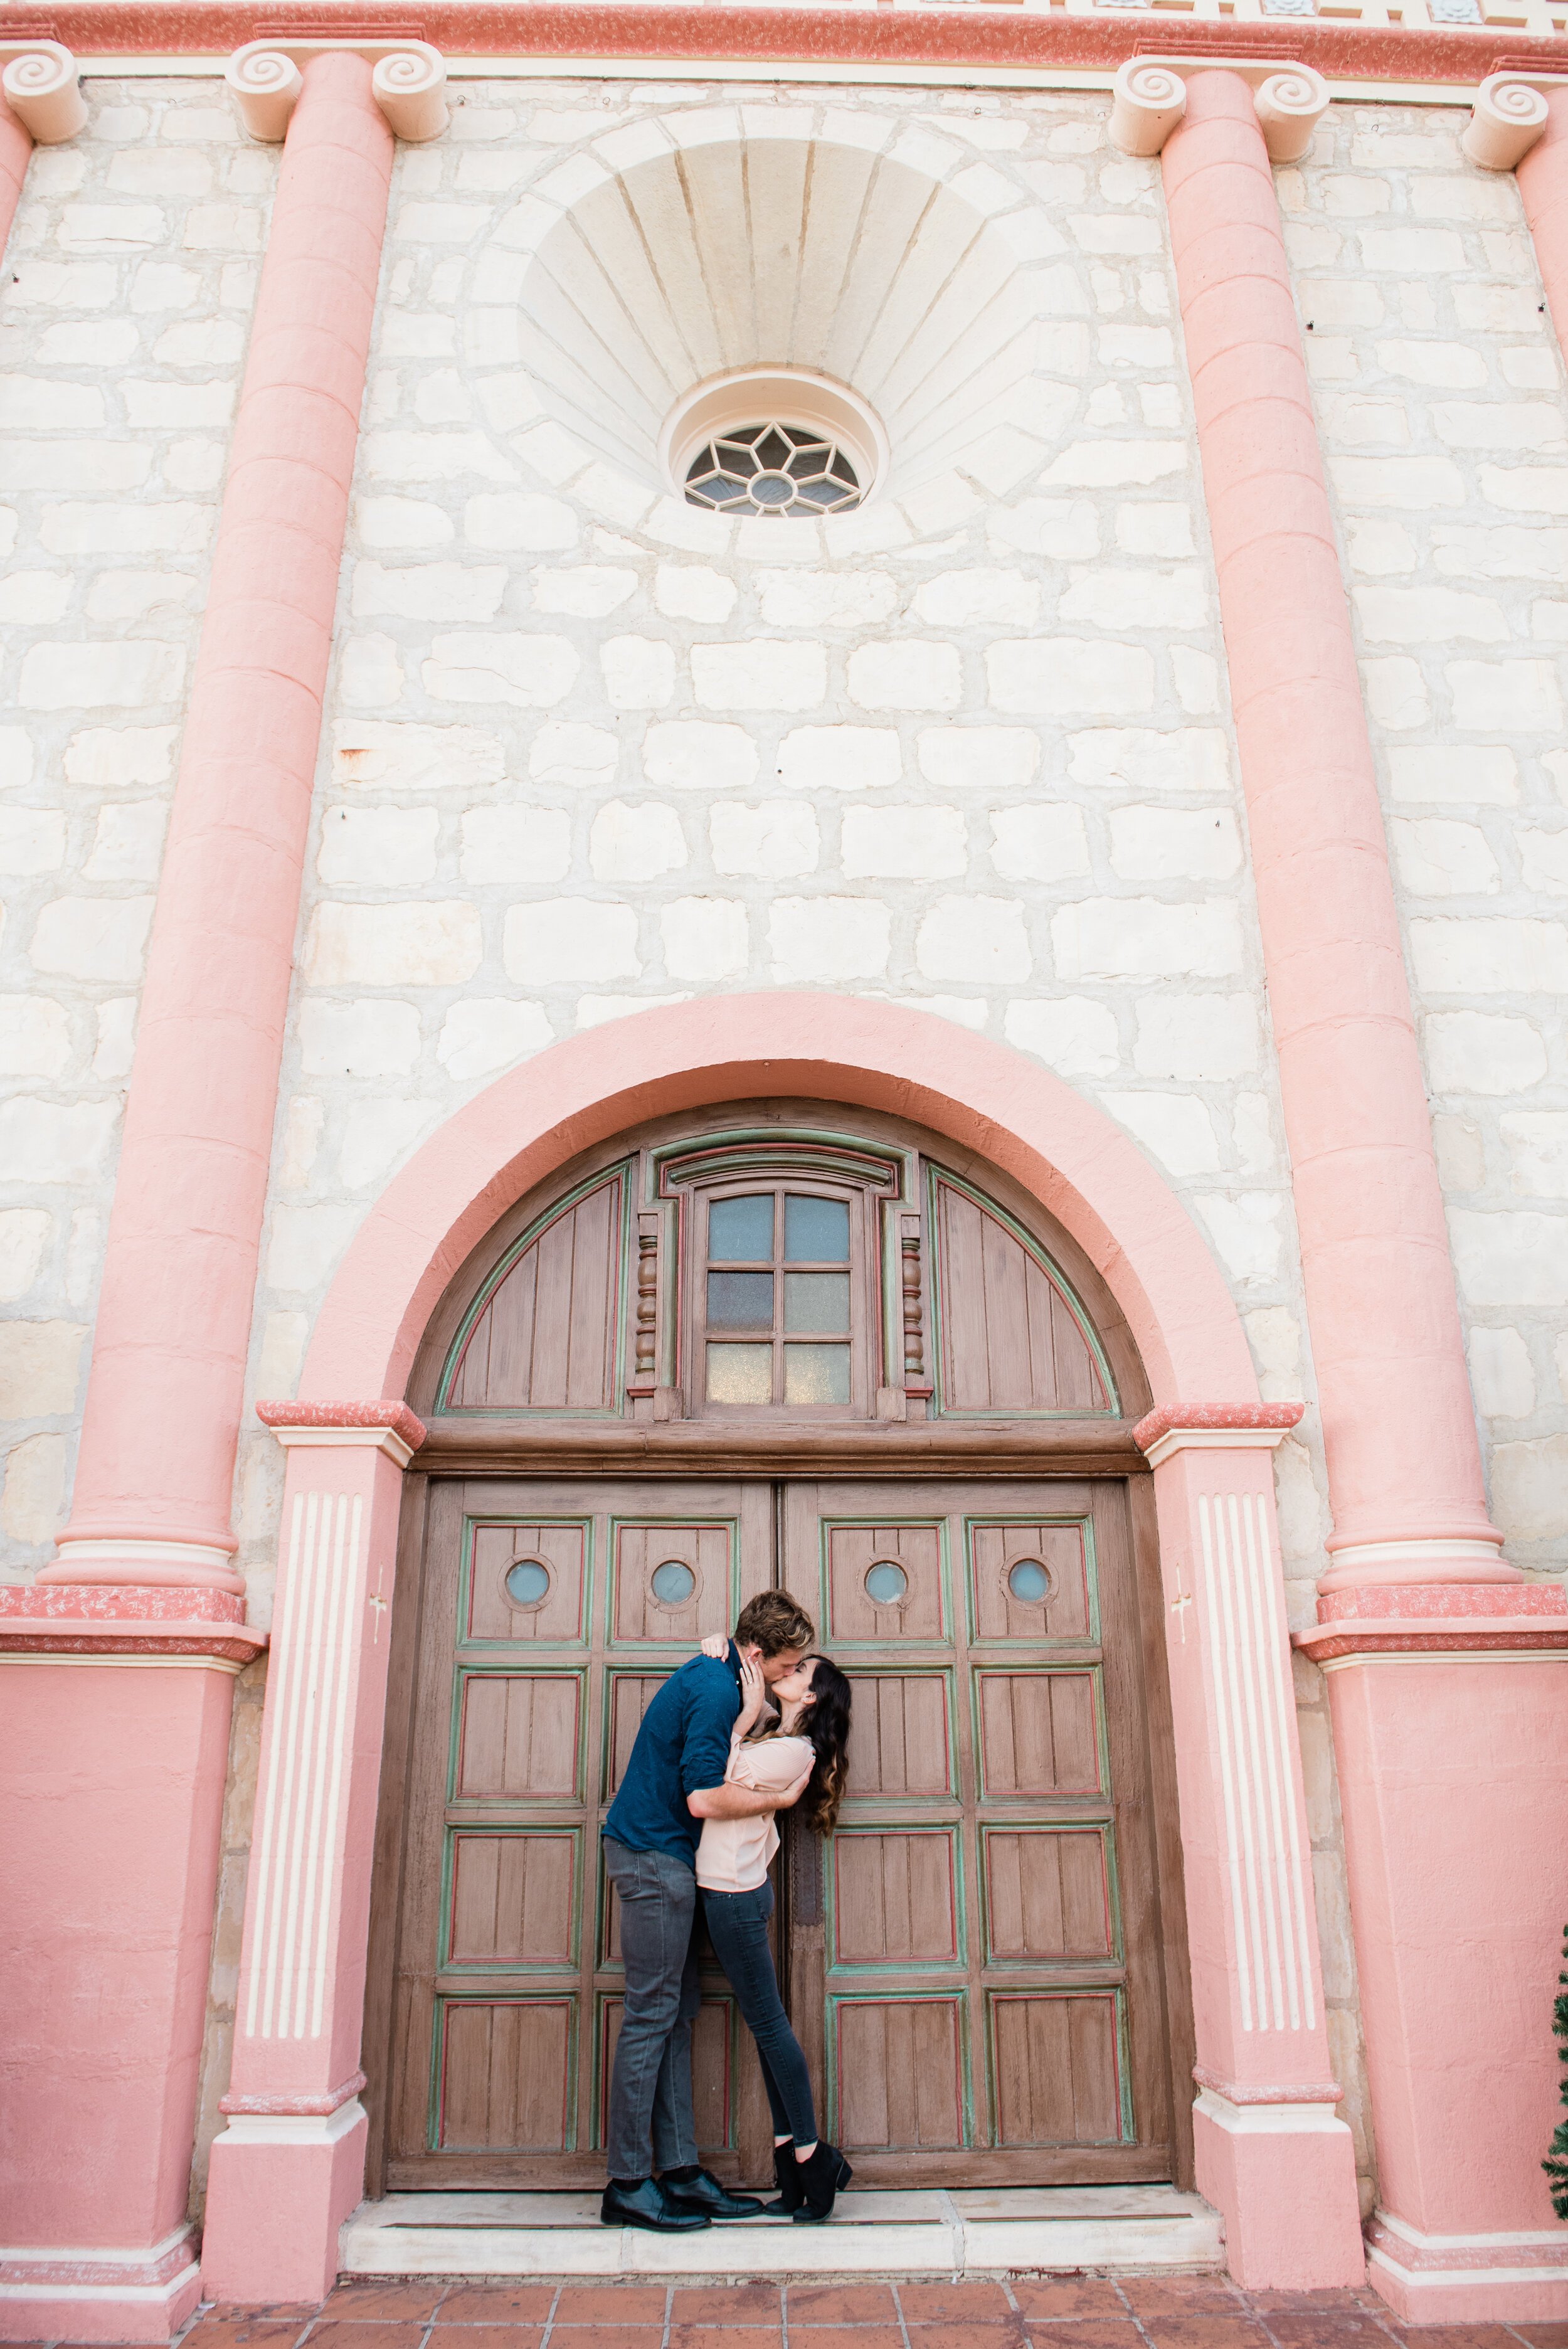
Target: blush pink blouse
x=734 y=1854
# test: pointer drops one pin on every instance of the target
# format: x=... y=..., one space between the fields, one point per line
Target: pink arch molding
x=1067 y=1152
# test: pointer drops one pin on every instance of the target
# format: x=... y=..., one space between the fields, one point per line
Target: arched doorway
x=786 y=1341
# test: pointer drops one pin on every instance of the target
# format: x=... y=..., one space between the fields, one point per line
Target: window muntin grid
x=772 y=468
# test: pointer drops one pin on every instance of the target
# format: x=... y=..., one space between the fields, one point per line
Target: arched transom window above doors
x=754 y=1265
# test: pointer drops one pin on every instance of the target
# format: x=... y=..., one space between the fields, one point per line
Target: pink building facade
x=1136 y=793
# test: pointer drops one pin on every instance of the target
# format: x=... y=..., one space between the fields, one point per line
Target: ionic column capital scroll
x=1510 y=118
x=1150 y=98
x=43 y=90
x=407 y=82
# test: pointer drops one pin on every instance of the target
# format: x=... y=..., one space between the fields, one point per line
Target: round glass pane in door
x=886 y=1583
x=672 y=1583
x=1029 y=1582
x=527 y=1581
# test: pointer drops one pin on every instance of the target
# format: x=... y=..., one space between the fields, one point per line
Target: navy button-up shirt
x=682 y=1746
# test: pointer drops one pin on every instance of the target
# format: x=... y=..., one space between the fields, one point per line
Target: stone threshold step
x=1010 y=2230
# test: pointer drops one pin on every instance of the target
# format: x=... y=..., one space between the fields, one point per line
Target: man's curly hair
x=776 y=1623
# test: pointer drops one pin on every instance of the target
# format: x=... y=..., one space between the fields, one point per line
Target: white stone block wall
x=590 y=749
x=1439 y=396
x=124 y=307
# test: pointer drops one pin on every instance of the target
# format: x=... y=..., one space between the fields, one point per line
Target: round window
x=527 y=1581
x=672 y=1583
x=1029 y=1582
x=772 y=469
x=887 y=1585
x=773 y=440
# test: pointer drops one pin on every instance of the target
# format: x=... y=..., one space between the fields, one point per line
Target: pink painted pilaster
x=153 y=1483
x=1404 y=1466
x=16 y=150
x=1271 y=2152
x=290 y=2166
x=1543 y=176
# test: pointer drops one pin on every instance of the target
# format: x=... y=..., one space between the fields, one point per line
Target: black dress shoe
x=647 y=2204
x=700 y=2191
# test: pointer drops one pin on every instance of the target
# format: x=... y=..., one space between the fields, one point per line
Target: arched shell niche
x=762 y=251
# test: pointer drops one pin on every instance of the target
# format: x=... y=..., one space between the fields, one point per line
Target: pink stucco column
x=290 y=2165
x=1398 y=1424
x=152 y=1502
x=1441 y=1664
x=114 y=1718
x=16 y=149
x=1543 y=176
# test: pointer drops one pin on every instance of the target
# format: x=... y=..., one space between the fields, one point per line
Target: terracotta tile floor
x=1028 y=2313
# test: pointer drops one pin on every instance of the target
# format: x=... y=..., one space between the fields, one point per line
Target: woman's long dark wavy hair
x=825 y=1725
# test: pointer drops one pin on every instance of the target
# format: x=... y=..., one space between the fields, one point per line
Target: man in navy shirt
x=673 y=1782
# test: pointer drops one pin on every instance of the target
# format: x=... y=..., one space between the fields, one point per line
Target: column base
x=100 y=2295
x=1283 y=2175
x=1518 y=2279
x=280 y=2187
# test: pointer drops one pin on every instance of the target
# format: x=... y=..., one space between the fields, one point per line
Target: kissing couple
x=753 y=1725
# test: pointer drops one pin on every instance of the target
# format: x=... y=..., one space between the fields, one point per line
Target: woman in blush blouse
x=811 y=1732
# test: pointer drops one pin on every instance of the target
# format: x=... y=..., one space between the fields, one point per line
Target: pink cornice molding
x=302 y=2107
x=395 y=1417
x=1210 y=1417
x=955 y=36
x=1269 y=2092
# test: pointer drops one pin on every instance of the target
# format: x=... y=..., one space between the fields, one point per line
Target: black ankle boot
x=786 y=2170
x=823 y=2174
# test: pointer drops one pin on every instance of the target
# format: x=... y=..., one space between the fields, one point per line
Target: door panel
x=900 y=2063
x=549 y=1619
x=902 y=1741
x=514 y=1897
x=1046 y=1893
x=518 y=1734
x=504 y=2075
x=987 y=1950
x=1058 y=2068
x=1039 y=1733
x=895 y=1896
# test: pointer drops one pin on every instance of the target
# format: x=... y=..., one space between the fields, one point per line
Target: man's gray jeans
x=651 y=2123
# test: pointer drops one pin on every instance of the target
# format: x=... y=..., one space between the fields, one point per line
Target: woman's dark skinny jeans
x=737 y=1928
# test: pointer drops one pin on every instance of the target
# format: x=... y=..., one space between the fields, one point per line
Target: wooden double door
x=973 y=1961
